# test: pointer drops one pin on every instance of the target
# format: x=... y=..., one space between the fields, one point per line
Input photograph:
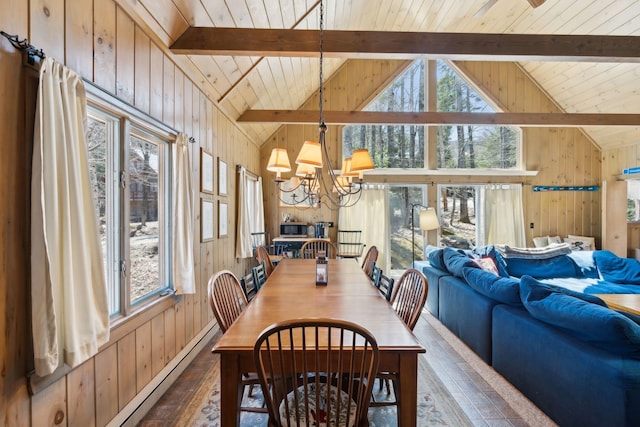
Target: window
x=401 y=197
x=393 y=146
x=458 y=146
x=457 y=206
x=467 y=146
x=129 y=168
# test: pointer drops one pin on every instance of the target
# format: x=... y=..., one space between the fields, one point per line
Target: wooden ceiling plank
x=471 y=46
x=442 y=118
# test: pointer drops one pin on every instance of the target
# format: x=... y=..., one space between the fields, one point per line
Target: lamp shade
x=310 y=154
x=346 y=169
x=361 y=160
x=279 y=161
x=429 y=219
x=304 y=170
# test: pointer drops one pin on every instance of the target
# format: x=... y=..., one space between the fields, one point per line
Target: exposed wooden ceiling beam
x=383 y=44
x=440 y=118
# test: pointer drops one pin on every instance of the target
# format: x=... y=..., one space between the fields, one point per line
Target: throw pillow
x=490 y=251
x=540 y=242
x=554 y=240
x=486 y=264
x=579 y=244
x=503 y=289
x=585 y=317
x=617 y=270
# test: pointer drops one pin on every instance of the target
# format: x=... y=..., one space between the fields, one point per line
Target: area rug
x=436 y=407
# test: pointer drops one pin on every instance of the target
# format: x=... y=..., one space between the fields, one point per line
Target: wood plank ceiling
x=241 y=83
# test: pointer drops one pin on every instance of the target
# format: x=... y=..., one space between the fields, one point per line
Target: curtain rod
x=23 y=45
x=253 y=174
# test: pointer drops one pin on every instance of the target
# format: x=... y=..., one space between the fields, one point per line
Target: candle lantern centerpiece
x=322 y=269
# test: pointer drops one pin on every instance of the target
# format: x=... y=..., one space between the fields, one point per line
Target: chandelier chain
x=321 y=91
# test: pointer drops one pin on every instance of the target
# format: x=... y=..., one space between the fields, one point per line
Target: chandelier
x=315 y=181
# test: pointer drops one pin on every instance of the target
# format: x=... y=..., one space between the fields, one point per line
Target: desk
x=289 y=293
x=623 y=302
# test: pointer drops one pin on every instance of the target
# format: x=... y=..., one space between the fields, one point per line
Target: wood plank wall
x=103 y=43
x=350 y=88
x=562 y=156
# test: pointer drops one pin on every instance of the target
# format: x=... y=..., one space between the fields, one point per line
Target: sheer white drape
x=250 y=212
x=257 y=216
x=183 y=261
x=371 y=215
x=243 y=242
x=503 y=220
x=70 y=315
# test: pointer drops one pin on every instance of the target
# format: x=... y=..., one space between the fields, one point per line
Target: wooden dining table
x=291 y=293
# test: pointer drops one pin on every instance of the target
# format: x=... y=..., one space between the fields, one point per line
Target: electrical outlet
x=531 y=226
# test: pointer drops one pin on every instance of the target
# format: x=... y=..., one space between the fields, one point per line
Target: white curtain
x=371 y=215
x=503 y=220
x=70 y=314
x=257 y=216
x=183 y=267
x=243 y=242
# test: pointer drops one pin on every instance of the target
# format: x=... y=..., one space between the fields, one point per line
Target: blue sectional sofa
x=532 y=315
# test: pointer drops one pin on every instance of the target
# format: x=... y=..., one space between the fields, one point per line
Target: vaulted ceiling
x=243 y=82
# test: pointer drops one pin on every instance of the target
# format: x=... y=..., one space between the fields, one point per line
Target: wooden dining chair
x=375 y=274
x=349 y=244
x=409 y=296
x=263 y=256
x=384 y=284
x=369 y=259
x=317 y=372
x=259 y=273
x=407 y=299
x=310 y=249
x=228 y=300
x=248 y=286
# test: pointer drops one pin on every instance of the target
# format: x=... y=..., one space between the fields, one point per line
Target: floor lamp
x=428 y=221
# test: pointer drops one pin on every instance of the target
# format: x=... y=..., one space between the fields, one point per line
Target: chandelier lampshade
x=279 y=162
x=303 y=170
x=310 y=154
x=361 y=161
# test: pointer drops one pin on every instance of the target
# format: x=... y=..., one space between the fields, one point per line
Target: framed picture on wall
x=206 y=220
x=222 y=219
x=206 y=171
x=222 y=177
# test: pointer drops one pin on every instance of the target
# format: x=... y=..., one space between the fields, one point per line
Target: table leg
x=408 y=390
x=230 y=390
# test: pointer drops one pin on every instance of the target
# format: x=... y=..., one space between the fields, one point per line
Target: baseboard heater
x=135 y=410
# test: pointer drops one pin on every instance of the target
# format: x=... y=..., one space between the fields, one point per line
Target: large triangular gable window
x=458 y=146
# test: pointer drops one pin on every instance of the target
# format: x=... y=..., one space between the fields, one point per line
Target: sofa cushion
x=617 y=270
x=503 y=289
x=436 y=259
x=547 y=268
x=456 y=260
x=585 y=317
